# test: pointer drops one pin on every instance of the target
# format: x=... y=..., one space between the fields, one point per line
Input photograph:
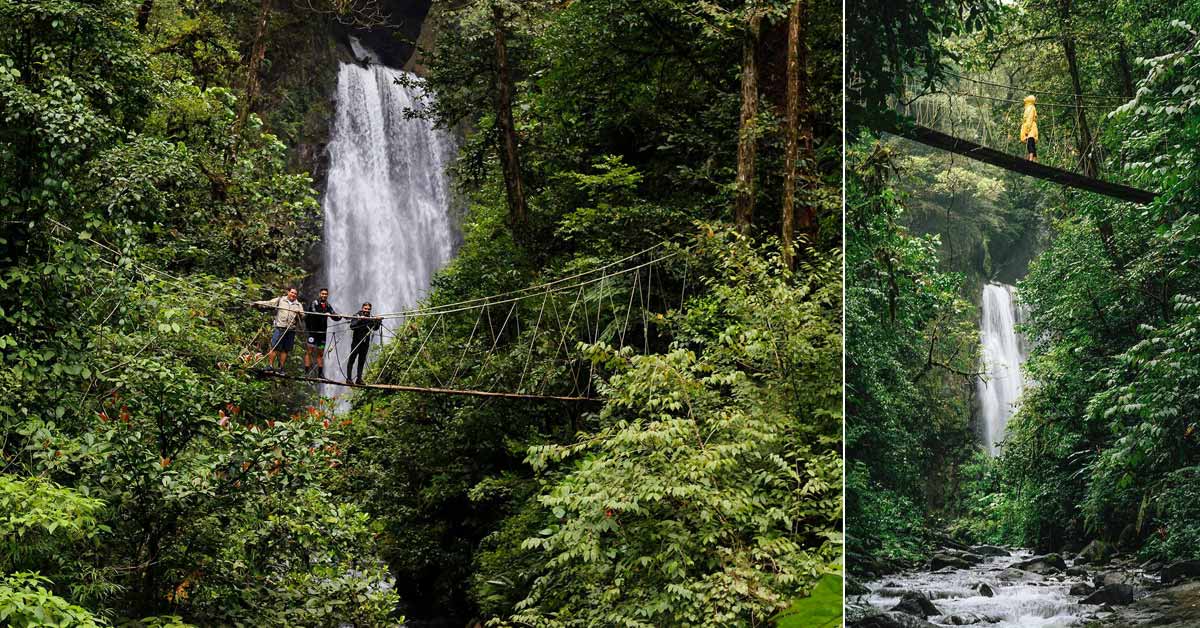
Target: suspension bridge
x=964 y=119
x=524 y=344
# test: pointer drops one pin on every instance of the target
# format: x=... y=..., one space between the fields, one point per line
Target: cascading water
x=1004 y=351
x=387 y=202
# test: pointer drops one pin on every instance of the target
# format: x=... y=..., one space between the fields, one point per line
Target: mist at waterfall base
x=386 y=206
x=1004 y=351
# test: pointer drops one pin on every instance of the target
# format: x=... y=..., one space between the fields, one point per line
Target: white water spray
x=387 y=203
x=1004 y=352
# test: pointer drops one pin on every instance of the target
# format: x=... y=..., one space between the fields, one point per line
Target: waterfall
x=1004 y=351
x=387 y=221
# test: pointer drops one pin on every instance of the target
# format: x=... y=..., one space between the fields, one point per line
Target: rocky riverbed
x=1005 y=588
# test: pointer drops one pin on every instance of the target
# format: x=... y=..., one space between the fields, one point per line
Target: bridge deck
x=978 y=152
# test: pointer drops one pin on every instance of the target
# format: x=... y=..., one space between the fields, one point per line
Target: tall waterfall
x=1004 y=351
x=387 y=201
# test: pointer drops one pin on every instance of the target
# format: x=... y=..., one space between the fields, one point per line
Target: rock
x=854 y=587
x=1113 y=577
x=1048 y=564
x=990 y=550
x=1078 y=572
x=1096 y=553
x=1082 y=588
x=1128 y=537
x=984 y=590
x=890 y=620
x=1119 y=594
x=915 y=603
x=969 y=619
x=942 y=559
x=1153 y=567
x=1179 y=570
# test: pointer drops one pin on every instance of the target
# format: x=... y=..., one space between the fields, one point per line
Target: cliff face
x=394 y=42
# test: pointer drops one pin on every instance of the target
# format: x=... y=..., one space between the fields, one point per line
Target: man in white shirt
x=289 y=311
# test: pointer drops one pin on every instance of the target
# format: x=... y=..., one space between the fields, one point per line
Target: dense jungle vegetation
x=1104 y=445
x=155 y=175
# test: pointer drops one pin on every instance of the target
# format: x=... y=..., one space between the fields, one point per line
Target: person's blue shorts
x=282 y=340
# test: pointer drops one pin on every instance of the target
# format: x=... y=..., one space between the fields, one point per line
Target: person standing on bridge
x=289 y=311
x=1029 y=130
x=317 y=322
x=362 y=326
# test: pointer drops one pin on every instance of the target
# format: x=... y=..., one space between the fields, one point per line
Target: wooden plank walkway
x=937 y=139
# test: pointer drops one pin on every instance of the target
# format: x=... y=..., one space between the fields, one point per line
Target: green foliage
x=1174 y=507
x=911 y=347
x=709 y=490
x=893 y=43
x=41 y=516
x=821 y=609
x=145 y=474
x=26 y=602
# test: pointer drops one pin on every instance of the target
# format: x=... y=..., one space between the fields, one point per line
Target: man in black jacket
x=317 y=321
x=362 y=326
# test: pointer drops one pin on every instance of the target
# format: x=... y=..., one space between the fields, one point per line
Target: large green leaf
x=821 y=609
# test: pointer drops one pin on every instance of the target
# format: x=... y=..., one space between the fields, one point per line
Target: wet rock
x=1078 y=572
x=1119 y=594
x=1048 y=564
x=854 y=587
x=1113 y=577
x=889 y=620
x=1082 y=588
x=1179 y=570
x=967 y=619
x=1015 y=575
x=984 y=590
x=1096 y=553
x=989 y=550
x=942 y=560
x=915 y=603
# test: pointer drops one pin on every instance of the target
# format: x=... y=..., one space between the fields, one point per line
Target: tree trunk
x=747 y=140
x=258 y=51
x=1087 y=160
x=143 y=15
x=1126 y=71
x=1087 y=157
x=798 y=131
x=510 y=158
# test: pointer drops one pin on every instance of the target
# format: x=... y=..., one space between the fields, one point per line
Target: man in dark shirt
x=317 y=321
x=362 y=326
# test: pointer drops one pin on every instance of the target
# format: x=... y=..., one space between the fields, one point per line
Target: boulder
x=1078 y=572
x=1096 y=553
x=889 y=620
x=943 y=559
x=1179 y=570
x=1113 y=577
x=966 y=619
x=985 y=590
x=854 y=587
x=1048 y=564
x=1119 y=594
x=915 y=603
x=1082 y=589
x=989 y=550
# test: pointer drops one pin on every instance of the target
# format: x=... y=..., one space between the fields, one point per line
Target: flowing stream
x=387 y=202
x=1004 y=351
x=1020 y=599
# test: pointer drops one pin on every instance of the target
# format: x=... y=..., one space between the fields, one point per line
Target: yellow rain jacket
x=1029 y=121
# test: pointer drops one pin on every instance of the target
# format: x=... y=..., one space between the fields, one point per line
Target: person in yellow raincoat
x=1029 y=132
